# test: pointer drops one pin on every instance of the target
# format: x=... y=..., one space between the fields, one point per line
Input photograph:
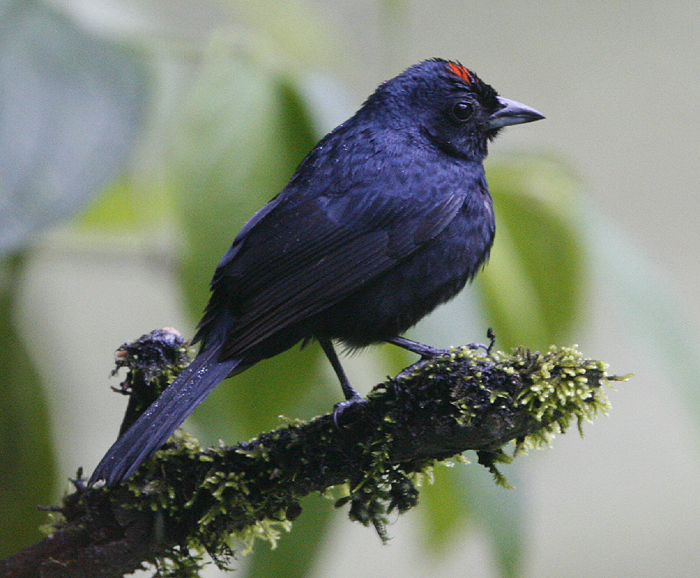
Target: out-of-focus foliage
x=235 y=106
x=70 y=113
x=644 y=295
x=532 y=289
x=536 y=276
x=26 y=460
x=71 y=108
x=242 y=130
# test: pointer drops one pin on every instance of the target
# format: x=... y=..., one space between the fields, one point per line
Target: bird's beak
x=512 y=112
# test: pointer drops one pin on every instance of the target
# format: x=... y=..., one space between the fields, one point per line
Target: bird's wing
x=298 y=259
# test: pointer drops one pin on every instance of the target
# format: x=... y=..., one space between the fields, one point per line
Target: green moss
x=466 y=398
x=562 y=386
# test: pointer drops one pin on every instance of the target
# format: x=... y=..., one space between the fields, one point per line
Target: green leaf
x=128 y=207
x=241 y=134
x=532 y=289
x=238 y=141
x=253 y=401
x=285 y=32
x=644 y=295
x=535 y=281
x=27 y=468
x=70 y=112
x=464 y=498
x=234 y=147
x=294 y=556
x=446 y=508
x=500 y=512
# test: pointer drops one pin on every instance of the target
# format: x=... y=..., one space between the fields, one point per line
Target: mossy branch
x=186 y=500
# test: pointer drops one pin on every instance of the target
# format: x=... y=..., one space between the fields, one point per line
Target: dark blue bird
x=388 y=217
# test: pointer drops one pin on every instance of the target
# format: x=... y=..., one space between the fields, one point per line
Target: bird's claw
x=487 y=348
x=478 y=346
x=343 y=406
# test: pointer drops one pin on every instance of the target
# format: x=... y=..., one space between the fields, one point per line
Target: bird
x=386 y=218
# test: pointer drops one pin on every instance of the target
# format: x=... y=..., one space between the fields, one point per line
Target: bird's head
x=449 y=106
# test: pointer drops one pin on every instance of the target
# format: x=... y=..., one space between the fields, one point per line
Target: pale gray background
x=620 y=86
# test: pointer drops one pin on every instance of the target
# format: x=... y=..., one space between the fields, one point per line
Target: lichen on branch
x=186 y=499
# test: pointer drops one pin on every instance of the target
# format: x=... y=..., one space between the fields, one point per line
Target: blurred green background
x=137 y=136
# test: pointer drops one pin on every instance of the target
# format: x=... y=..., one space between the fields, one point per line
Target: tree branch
x=186 y=500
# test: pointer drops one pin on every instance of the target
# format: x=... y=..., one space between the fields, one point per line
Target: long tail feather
x=163 y=417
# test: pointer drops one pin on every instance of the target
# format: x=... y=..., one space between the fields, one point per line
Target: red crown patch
x=460 y=71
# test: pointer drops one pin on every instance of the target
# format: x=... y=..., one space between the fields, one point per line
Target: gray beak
x=512 y=113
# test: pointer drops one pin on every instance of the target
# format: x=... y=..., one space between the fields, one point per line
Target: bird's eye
x=462 y=111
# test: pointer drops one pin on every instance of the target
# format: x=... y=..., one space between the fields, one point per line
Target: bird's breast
x=433 y=274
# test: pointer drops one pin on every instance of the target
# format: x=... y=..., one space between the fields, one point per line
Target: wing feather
x=299 y=260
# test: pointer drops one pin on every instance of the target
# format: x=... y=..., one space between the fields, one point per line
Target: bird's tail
x=162 y=418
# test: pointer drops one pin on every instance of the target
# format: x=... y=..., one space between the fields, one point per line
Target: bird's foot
x=343 y=406
x=483 y=346
x=487 y=348
x=425 y=351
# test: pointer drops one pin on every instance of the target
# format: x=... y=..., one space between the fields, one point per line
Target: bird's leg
x=428 y=352
x=351 y=396
x=332 y=356
x=425 y=351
